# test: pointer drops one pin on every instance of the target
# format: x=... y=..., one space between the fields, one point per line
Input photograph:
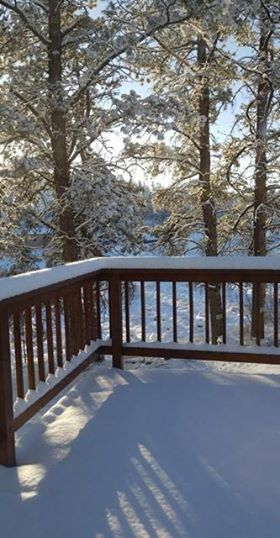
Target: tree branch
x=115 y=54
x=24 y=18
x=72 y=26
x=32 y=109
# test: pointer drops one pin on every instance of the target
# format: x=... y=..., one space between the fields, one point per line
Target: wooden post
x=7 y=436
x=116 y=320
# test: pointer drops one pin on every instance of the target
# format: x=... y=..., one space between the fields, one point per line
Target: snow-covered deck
x=139 y=307
x=178 y=449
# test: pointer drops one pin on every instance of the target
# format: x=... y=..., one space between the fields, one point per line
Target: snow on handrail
x=34 y=280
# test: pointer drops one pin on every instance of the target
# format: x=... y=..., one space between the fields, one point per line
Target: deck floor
x=172 y=450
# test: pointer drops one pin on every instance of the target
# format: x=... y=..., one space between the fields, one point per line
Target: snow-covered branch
x=13 y=6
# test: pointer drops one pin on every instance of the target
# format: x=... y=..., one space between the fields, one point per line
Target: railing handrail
x=51 y=315
x=226 y=268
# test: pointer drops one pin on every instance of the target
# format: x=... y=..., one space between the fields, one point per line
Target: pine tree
x=253 y=148
x=61 y=82
x=190 y=82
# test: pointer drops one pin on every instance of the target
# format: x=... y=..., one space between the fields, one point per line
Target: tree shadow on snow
x=183 y=454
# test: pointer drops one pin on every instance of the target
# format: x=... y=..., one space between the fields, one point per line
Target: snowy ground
x=174 y=449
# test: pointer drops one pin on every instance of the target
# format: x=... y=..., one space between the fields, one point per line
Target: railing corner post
x=7 y=435
x=115 y=298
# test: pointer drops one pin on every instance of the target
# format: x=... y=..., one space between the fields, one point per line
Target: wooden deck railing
x=44 y=329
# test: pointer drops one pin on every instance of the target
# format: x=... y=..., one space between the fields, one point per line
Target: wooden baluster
x=87 y=312
x=50 y=337
x=18 y=355
x=68 y=349
x=241 y=314
x=258 y=314
x=158 y=307
x=224 y=306
x=174 y=310
x=92 y=313
x=82 y=314
x=80 y=325
x=75 y=326
x=98 y=310
x=29 y=348
x=110 y=315
x=143 y=312
x=115 y=297
x=59 y=354
x=7 y=436
x=276 y=338
x=74 y=323
x=85 y=338
x=40 y=344
x=127 y=313
x=207 y=326
x=191 y=312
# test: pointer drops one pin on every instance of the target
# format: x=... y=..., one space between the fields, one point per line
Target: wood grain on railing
x=29 y=348
x=127 y=310
x=174 y=308
x=7 y=434
x=207 y=324
x=59 y=352
x=158 y=310
x=41 y=327
x=66 y=310
x=50 y=337
x=98 y=310
x=40 y=344
x=224 y=308
x=18 y=356
x=143 y=310
x=191 y=312
x=241 y=314
x=275 y=302
x=115 y=298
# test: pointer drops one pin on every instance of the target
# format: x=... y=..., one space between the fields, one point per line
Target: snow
x=20 y=404
x=175 y=450
x=23 y=283
x=183 y=315
x=226 y=348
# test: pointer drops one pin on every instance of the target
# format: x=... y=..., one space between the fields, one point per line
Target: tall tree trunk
x=264 y=94
x=59 y=136
x=207 y=203
x=95 y=250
